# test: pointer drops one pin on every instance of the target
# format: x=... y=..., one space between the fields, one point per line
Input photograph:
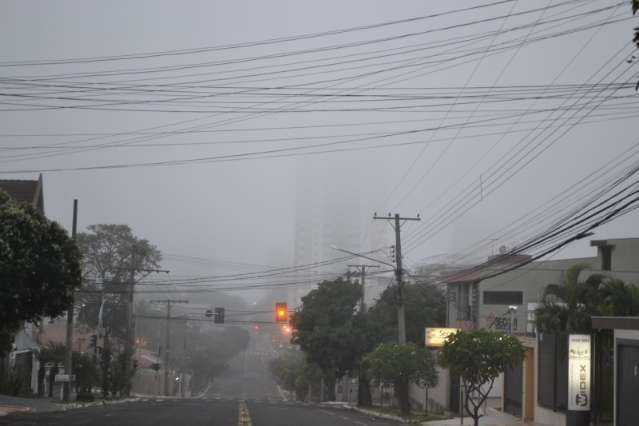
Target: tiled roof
x=25 y=191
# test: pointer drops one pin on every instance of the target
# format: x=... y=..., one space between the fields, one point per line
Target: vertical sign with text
x=579 y=372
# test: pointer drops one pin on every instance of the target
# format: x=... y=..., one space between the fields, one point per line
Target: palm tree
x=619 y=298
x=568 y=307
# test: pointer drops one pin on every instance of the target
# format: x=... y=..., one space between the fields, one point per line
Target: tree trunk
x=401 y=393
x=364 y=398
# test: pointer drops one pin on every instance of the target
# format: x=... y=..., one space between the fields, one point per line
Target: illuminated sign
x=436 y=337
x=579 y=372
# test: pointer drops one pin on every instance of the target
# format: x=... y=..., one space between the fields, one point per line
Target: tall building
x=332 y=210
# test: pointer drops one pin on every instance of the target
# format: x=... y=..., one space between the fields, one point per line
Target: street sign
x=436 y=337
x=64 y=378
x=579 y=372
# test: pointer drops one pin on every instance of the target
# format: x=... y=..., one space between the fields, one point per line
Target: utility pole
x=167 y=339
x=130 y=329
x=129 y=348
x=68 y=364
x=401 y=314
x=362 y=274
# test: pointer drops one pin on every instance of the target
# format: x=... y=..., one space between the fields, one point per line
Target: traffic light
x=219 y=316
x=94 y=341
x=281 y=312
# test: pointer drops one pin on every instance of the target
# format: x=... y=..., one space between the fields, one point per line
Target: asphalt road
x=247 y=381
x=248 y=376
x=196 y=412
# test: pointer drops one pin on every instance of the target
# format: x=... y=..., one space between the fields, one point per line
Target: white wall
x=439 y=396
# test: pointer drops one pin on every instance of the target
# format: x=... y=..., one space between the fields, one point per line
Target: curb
x=372 y=413
x=380 y=415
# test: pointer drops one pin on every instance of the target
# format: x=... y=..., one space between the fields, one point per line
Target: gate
x=513 y=382
x=627 y=385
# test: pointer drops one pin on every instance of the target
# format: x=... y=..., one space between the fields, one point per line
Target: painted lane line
x=244 y=418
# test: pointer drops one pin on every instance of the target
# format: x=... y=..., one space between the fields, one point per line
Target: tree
x=294 y=373
x=208 y=354
x=401 y=365
x=569 y=306
x=39 y=268
x=618 y=298
x=425 y=306
x=328 y=329
x=478 y=357
x=84 y=367
x=111 y=254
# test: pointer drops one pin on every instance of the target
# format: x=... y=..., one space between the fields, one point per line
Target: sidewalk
x=13 y=404
x=488 y=420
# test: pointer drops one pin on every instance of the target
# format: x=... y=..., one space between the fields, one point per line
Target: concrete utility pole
x=167 y=339
x=129 y=348
x=401 y=314
x=68 y=363
x=362 y=274
x=130 y=329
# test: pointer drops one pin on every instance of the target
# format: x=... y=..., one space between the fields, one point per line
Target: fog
x=226 y=215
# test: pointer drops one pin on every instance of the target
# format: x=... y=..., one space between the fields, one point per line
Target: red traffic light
x=281 y=312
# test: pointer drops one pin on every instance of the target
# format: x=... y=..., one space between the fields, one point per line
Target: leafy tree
x=568 y=307
x=478 y=357
x=209 y=353
x=618 y=298
x=328 y=329
x=401 y=365
x=84 y=367
x=294 y=373
x=110 y=253
x=39 y=268
x=87 y=375
x=425 y=306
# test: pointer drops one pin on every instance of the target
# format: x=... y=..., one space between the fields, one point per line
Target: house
x=537 y=390
x=23 y=358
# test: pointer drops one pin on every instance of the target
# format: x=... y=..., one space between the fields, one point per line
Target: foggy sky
x=245 y=211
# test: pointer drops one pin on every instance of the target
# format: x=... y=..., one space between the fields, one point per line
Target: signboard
x=579 y=372
x=61 y=378
x=436 y=337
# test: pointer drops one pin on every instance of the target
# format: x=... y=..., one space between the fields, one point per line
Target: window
x=503 y=298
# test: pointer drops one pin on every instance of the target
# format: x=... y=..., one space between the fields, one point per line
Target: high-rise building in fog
x=331 y=211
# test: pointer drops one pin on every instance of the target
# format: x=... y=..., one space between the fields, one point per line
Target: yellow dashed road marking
x=244 y=416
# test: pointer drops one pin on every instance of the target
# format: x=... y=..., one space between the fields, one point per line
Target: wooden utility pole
x=401 y=314
x=362 y=274
x=68 y=363
x=167 y=339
